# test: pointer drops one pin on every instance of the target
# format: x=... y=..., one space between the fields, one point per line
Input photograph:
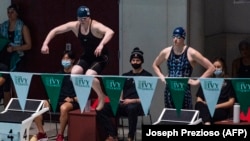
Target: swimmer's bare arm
x=69 y=26
x=162 y=57
x=203 y=61
x=101 y=30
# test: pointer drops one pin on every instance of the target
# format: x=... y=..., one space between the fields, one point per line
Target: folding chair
x=53 y=118
x=1 y=99
x=122 y=118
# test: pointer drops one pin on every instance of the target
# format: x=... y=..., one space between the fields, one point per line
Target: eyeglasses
x=82 y=18
x=177 y=36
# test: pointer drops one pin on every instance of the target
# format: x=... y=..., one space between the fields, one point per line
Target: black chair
x=1 y=99
x=52 y=118
x=123 y=118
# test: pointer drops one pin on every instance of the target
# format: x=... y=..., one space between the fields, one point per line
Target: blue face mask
x=218 y=72
x=66 y=63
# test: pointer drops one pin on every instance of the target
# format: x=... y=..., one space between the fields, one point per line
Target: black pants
x=132 y=111
x=219 y=114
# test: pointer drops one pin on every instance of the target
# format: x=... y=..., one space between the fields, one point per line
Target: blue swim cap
x=83 y=11
x=179 y=32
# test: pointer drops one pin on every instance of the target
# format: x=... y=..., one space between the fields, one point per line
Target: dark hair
x=70 y=53
x=243 y=43
x=223 y=63
x=15 y=7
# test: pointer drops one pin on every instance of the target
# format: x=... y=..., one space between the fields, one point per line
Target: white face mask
x=66 y=63
x=218 y=72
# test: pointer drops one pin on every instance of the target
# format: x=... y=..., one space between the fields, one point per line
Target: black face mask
x=136 y=66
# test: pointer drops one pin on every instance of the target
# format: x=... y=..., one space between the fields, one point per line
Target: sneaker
x=41 y=137
x=59 y=137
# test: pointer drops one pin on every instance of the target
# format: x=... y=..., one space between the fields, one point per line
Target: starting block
x=169 y=116
x=15 y=122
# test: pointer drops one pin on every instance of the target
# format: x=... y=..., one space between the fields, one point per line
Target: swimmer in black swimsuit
x=93 y=36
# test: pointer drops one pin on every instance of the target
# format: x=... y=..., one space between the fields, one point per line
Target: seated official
x=226 y=99
x=130 y=104
x=67 y=99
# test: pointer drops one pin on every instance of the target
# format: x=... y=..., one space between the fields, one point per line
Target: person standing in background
x=19 y=38
x=241 y=69
x=93 y=36
x=181 y=59
x=241 y=65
